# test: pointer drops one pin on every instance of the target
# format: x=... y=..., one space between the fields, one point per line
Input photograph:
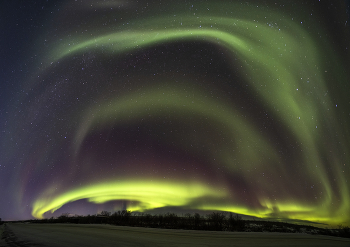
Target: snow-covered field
x=19 y=234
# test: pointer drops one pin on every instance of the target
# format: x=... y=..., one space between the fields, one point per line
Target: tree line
x=215 y=221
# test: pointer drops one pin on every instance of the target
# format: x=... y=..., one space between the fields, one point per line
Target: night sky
x=156 y=106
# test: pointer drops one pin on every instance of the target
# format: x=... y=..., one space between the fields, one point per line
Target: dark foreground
x=19 y=234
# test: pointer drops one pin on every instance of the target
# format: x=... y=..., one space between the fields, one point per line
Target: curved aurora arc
x=282 y=67
x=139 y=191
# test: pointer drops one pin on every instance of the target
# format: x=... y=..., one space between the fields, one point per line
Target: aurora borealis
x=196 y=105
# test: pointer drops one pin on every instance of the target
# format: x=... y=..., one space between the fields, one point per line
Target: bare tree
x=216 y=221
x=105 y=213
x=236 y=223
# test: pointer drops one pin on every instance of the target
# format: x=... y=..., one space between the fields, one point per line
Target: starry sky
x=176 y=105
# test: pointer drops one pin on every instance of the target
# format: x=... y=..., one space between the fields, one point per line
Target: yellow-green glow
x=283 y=69
x=149 y=194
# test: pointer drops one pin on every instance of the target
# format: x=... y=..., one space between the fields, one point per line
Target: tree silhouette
x=344 y=231
x=105 y=213
x=216 y=221
x=236 y=223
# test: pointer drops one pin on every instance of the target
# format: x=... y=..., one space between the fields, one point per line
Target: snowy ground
x=18 y=234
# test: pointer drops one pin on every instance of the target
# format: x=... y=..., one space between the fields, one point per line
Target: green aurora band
x=282 y=65
x=163 y=194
